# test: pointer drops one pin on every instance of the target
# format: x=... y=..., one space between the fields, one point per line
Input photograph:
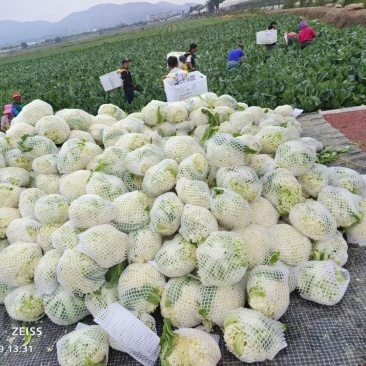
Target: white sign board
x=266 y=37
x=111 y=81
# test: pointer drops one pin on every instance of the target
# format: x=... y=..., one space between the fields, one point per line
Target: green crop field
x=329 y=74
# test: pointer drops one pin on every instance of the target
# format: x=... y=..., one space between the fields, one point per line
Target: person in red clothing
x=306 y=34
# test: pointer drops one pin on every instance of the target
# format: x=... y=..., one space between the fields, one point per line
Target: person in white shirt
x=176 y=75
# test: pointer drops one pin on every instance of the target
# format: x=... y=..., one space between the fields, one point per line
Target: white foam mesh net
x=15 y=133
x=81 y=135
x=44 y=236
x=143 y=244
x=259 y=206
x=18 y=262
x=78 y=273
x=346 y=178
x=322 y=282
x=252 y=337
x=160 y=178
x=230 y=209
x=37 y=146
x=128 y=334
x=221 y=259
x=314 y=220
x=9 y=195
x=106 y=186
x=268 y=290
x=179 y=148
x=282 y=189
x=228 y=128
x=344 y=206
x=64 y=308
x=176 y=112
x=16 y=176
x=87 y=345
x=33 y=112
x=7 y=215
x=271 y=138
x=24 y=304
x=2 y=161
x=165 y=129
x=23 y=229
x=197 y=223
x=180 y=302
x=242 y=180
x=140 y=287
x=132 y=141
x=315 y=179
x=45 y=278
x=132 y=211
x=292 y=273
x=166 y=214
x=46 y=164
x=262 y=164
x=16 y=158
x=90 y=210
x=98 y=301
x=194 y=167
x=357 y=234
x=293 y=246
x=111 y=110
x=54 y=128
x=73 y=185
x=132 y=181
x=105 y=244
x=140 y=160
x=104 y=119
x=65 y=237
x=176 y=258
x=4 y=291
x=48 y=183
x=217 y=301
x=77 y=119
x=193 y=192
x=334 y=248
x=96 y=131
x=52 y=209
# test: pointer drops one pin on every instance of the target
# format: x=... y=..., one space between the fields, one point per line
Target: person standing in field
x=306 y=34
x=176 y=75
x=7 y=117
x=190 y=57
x=272 y=27
x=235 y=58
x=128 y=86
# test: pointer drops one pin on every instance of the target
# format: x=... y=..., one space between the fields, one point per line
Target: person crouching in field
x=306 y=34
x=290 y=38
x=176 y=75
x=7 y=117
x=235 y=58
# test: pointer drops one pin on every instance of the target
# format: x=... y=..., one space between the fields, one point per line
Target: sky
x=55 y=10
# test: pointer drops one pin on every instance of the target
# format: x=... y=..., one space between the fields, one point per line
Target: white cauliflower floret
x=182 y=147
x=23 y=229
x=209 y=98
x=52 y=209
x=315 y=179
x=54 y=128
x=27 y=201
x=194 y=192
x=77 y=119
x=195 y=103
x=176 y=112
x=33 y=112
x=7 y=215
x=44 y=236
x=10 y=195
x=48 y=183
x=271 y=138
x=263 y=213
x=194 y=167
x=112 y=110
x=14 y=175
x=106 y=186
x=73 y=185
x=98 y=301
x=285 y=111
x=199 y=117
x=36 y=146
x=65 y=237
x=154 y=113
x=46 y=164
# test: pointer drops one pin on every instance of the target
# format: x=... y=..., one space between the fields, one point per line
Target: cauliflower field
x=208 y=211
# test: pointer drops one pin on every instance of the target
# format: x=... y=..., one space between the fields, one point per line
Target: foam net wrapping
x=257 y=243
x=132 y=181
x=65 y=237
x=240 y=119
x=344 y=206
x=86 y=345
x=15 y=133
x=230 y=209
x=242 y=180
x=132 y=141
x=16 y=176
x=64 y=308
x=271 y=138
x=313 y=220
x=165 y=129
x=128 y=334
x=322 y=282
x=54 y=128
x=46 y=164
x=106 y=186
x=78 y=273
x=45 y=276
x=105 y=244
x=259 y=206
x=104 y=119
x=293 y=246
x=17 y=158
x=48 y=183
x=179 y=148
x=96 y=131
x=24 y=304
x=315 y=179
x=9 y=195
x=18 y=262
x=357 y=234
x=73 y=185
x=346 y=178
x=177 y=257
x=90 y=210
x=7 y=215
x=132 y=211
x=77 y=119
x=81 y=135
x=98 y=301
x=194 y=192
x=176 y=112
x=33 y=112
x=292 y=272
x=160 y=178
x=252 y=337
x=194 y=346
x=295 y=156
x=44 y=236
x=143 y=244
x=262 y=164
x=197 y=224
x=194 y=167
x=268 y=290
x=4 y=291
x=222 y=259
x=23 y=229
x=52 y=209
x=75 y=155
x=140 y=160
x=180 y=302
x=111 y=110
x=282 y=189
x=36 y=146
x=140 y=287
x=215 y=302
x=166 y=214
x=334 y=248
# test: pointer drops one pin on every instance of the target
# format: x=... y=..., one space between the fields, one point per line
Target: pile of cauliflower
x=209 y=210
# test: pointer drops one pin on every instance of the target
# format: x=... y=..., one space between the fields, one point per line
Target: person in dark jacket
x=272 y=27
x=190 y=57
x=128 y=86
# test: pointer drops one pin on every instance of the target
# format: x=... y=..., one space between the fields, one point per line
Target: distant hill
x=99 y=16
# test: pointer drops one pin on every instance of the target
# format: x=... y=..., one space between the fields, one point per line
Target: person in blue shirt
x=235 y=58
